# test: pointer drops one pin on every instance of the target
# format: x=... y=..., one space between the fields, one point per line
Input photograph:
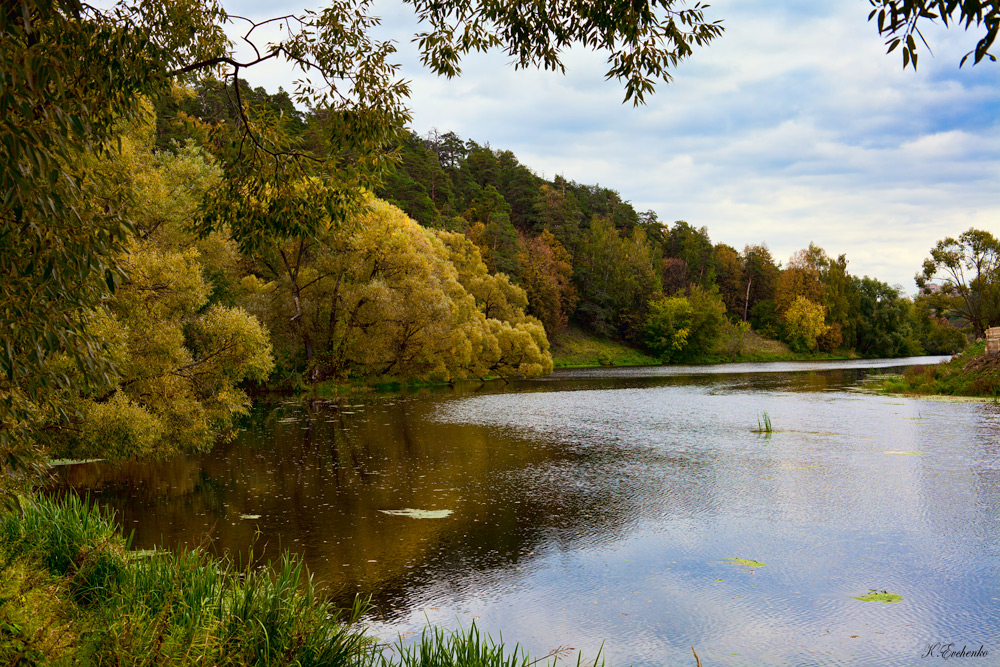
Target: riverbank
x=575 y=348
x=570 y=348
x=73 y=592
x=973 y=373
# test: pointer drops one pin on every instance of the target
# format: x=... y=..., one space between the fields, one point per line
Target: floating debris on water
x=71 y=462
x=877 y=596
x=418 y=514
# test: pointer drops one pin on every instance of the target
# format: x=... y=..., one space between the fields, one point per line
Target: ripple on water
x=602 y=507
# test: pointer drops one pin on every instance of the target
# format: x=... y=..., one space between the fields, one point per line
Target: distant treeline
x=585 y=256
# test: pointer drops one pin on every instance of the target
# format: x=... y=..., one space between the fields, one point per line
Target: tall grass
x=177 y=609
x=468 y=648
x=71 y=592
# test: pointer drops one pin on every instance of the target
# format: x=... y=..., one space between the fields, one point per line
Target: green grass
x=757 y=348
x=972 y=373
x=108 y=605
x=575 y=348
x=72 y=592
x=468 y=648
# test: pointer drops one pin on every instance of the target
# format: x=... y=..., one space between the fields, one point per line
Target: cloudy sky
x=793 y=127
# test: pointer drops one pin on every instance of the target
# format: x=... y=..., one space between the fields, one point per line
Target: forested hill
x=584 y=256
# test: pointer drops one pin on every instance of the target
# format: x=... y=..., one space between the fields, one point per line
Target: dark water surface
x=600 y=506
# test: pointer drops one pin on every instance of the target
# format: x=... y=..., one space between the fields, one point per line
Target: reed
x=468 y=648
x=71 y=591
x=177 y=609
x=764 y=424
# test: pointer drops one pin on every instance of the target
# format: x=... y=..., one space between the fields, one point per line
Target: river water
x=604 y=507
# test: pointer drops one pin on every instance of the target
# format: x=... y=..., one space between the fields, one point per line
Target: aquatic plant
x=874 y=595
x=746 y=562
x=764 y=424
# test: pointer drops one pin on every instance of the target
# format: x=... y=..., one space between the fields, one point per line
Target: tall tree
x=729 y=276
x=760 y=278
x=695 y=248
x=548 y=280
x=883 y=321
x=968 y=269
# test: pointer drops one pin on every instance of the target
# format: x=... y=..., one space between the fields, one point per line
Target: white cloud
x=794 y=127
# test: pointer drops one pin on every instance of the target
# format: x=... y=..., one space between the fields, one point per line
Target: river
x=605 y=507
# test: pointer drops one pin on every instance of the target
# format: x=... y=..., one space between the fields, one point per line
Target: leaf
x=746 y=562
x=878 y=596
x=418 y=514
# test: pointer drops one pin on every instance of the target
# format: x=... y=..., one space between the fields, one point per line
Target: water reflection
x=600 y=505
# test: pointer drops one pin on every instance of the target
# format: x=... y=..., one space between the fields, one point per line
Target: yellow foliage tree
x=384 y=296
x=804 y=322
x=179 y=354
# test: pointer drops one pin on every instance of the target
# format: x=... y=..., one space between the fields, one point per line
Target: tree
x=548 y=280
x=804 y=323
x=617 y=278
x=969 y=271
x=760 y=280
x=883 y=320
x=557 y=210
x=667 y=327
x=936 y=334
x=680 y=328
x=800 y=279
x=72 y=72
x=386 y=297
x=695 y=248
x=179 y=349
x=494 y=233
x=900 y=20
x=643 y=39
x=729 y=276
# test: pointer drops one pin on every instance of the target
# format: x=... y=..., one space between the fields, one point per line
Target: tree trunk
x=746 y=304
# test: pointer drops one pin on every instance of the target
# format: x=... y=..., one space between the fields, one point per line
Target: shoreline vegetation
x=174 y=238
x=973 y=374
x=73 y=592
x=575 y=348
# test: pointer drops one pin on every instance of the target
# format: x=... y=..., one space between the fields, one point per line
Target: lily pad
x=418 y=514
x=250 y=517
x=70 y=462
x=746 y=562
x=878 y=596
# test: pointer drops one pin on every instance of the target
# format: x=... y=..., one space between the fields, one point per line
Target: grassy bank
x=72 y=592
x=757 y=348
x=574 y=348
x=971 y=373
